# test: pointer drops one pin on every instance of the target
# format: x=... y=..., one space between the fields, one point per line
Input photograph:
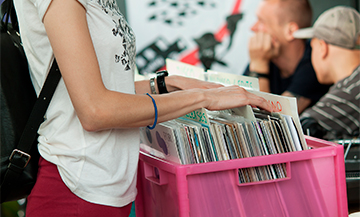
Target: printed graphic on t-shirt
x=121 y=29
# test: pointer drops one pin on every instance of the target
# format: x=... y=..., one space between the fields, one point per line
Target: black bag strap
x=39 y=109
x=20 y=156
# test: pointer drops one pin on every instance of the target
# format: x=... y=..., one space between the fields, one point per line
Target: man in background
x=336 y=59
x=281 y=62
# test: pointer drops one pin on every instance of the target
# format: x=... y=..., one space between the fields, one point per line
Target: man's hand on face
x=262 y=48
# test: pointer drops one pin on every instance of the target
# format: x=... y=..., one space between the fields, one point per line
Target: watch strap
x=160 y=79
x=259 y=75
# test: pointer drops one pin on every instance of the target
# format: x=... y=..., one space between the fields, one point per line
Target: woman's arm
x=99 y=108
x=174 y=83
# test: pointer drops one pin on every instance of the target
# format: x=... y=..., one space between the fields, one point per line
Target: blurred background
x=184 y=29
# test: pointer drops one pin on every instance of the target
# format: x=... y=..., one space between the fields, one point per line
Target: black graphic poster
x=212 y=34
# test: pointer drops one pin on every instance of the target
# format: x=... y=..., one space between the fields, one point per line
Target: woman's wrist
x=172 y=83
x=158 y=84
x=199 y=98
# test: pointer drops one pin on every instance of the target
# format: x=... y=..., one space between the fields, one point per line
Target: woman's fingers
x=175 y=82
x=234 y=96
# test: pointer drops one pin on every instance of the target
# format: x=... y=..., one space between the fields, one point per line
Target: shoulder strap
x=39 y=109
x=20 y=156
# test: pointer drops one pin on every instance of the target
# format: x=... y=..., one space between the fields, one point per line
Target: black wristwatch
x=160 y=79
x=258 y=75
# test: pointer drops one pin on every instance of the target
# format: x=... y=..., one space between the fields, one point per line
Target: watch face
x=253 y=74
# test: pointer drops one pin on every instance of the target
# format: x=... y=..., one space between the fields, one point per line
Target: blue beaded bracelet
x=156 y=113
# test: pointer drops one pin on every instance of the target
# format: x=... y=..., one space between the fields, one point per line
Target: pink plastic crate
x=315 y=186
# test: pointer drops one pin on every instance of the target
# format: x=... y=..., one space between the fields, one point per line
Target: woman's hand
x=174 y=83
x=232 y=97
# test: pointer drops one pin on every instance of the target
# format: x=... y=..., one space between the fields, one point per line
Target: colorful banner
x=212 y=34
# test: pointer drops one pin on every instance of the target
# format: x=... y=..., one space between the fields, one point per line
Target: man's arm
x=261 y=49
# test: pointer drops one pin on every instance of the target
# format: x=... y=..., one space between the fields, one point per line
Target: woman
x=89 y=142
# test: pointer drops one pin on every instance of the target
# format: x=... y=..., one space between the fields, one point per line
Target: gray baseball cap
x=339 y=26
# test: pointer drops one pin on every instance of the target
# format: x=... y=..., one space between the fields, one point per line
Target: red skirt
x=51 y=197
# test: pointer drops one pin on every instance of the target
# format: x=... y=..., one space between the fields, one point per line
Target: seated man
x=281 y=62
x=336 y=59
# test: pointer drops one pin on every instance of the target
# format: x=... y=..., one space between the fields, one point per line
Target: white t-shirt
x=99 y=167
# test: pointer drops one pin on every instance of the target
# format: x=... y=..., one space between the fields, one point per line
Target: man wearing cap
x=336 y=59
x=281 y=62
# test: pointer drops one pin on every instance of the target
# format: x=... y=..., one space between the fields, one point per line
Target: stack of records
x=225 y=135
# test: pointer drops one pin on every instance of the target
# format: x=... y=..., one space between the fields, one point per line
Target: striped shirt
x=338 y=111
